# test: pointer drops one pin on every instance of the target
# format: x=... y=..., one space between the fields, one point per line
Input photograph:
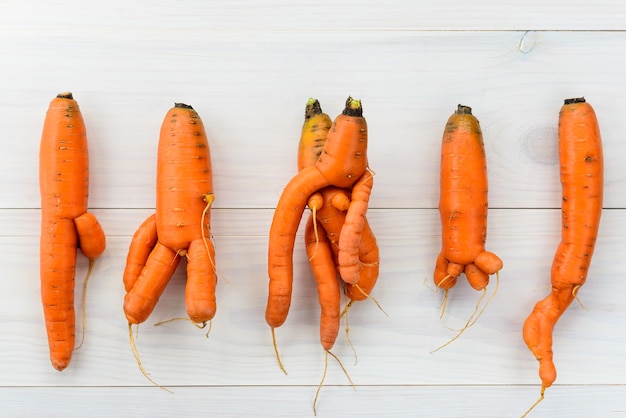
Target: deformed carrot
x=342 y=162
x=463 y=203
x=180 y=226
x=350 y=236
x=582 y=178
x=65 y=223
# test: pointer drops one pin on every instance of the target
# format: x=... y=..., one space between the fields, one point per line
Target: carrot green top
x=353 y=107
x=313 y=108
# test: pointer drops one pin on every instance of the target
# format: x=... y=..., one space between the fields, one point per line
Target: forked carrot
x=180 y=226
x=342 y=162
x=65 y=223
x=582 y=182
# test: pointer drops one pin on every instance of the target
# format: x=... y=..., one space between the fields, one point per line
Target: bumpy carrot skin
x=180 y=226
x=369 y=262
x=65 y=222
x=582 y=179
x=350 y=236
x=342 y=162
x=463 y=203
x=331 y=216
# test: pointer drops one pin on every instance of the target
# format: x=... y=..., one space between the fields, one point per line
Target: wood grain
x=248 y=68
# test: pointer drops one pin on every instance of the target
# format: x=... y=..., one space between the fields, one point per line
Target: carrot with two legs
x=180 y=226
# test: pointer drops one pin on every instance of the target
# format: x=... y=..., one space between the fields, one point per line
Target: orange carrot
x=369 y=263
x=350 y=236
x=143 y=242
x=331 y=216
x=336 y=202
x=180 y=226
x=463 y=204
x=341 y=163
x=65 y=223
x=323 y=266
x=581 y=174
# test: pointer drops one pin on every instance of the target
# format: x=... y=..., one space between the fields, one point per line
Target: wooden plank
x=248 y=67
x=392 y=350
x=409 y=84
x=116 y=17
x=334 y=401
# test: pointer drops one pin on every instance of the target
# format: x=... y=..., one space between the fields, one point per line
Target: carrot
x=350 y=236
x=581 y=174
x=143 y=242
x=180 y=226
x=65 y=223
x=331 y=216
x=323 y=266
x=342 y=162
x=314 y=131
x=463 y=204
x=369 y=266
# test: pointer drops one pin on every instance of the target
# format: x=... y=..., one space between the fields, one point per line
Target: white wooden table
x=248 y=68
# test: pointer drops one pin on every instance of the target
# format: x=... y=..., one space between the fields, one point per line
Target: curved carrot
x=350 y=236
x=143 y=242
x=463 y=203
x=369 y=262
x=581 y=174
x=65 y=224
x=341 y=163
x=331 y=216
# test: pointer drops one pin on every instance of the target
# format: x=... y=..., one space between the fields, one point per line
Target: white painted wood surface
x=248 y=68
